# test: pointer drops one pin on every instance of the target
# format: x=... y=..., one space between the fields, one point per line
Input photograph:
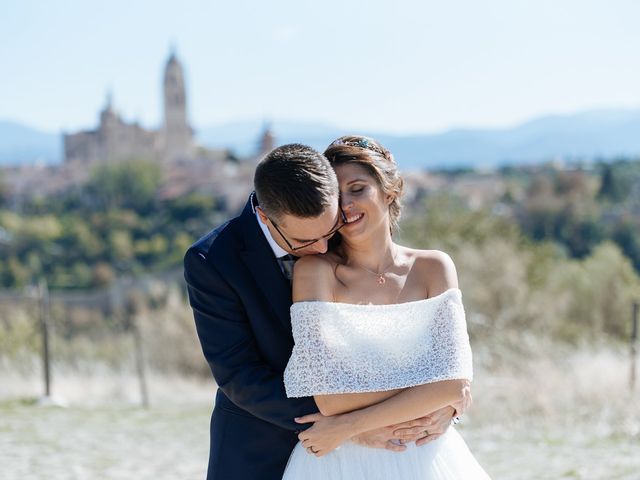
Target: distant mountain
x=586 y=135
x=590 y=135
x=20 y=144
x=244 y=137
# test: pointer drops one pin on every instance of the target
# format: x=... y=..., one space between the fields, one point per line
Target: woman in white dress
x=380 y=336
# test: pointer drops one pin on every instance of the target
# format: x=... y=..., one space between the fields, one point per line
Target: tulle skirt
x=447 y=458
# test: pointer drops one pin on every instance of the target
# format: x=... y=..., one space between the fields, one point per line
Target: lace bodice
x=346 y=348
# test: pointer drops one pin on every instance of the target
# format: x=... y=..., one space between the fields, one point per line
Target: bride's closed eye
x=354 y=191
x=357 y=189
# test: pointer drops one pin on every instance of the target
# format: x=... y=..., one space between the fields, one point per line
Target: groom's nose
x=321 y=246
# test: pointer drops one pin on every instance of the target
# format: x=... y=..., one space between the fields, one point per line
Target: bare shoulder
x=313 y=278
x=436 y=269
x=316 y=265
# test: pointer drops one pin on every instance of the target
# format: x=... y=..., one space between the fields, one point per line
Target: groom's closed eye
x=302 y=240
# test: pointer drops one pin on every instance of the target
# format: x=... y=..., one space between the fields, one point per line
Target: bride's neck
x=376 y=254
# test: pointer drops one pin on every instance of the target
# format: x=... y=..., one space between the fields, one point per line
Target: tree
x=627 y=236
x=130 y=184
x=579 y=235
x=616 y=180
x=599 y=292
x=194 y=205
x=4 y=191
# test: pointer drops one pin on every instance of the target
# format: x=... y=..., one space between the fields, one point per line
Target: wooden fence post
x=133 y=309
x=634 y=348
x=43 y=311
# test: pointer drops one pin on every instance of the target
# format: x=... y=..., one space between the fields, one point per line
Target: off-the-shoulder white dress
x=346 y=348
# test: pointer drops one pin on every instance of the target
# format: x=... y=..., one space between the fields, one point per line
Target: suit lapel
x=263 y=266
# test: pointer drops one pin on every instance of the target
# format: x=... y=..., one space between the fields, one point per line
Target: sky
x=401 y=67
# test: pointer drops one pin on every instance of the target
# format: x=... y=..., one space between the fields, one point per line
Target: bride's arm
x=335 y=404
x=329 y=432
x=420 y=430
x=411 y=403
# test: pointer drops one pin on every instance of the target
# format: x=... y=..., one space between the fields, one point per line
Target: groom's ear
x=261 y=214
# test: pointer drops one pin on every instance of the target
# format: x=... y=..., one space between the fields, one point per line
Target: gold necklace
x=381 y=280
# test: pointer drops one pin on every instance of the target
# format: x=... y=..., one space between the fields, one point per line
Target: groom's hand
x=380 y=438
x=425 y=429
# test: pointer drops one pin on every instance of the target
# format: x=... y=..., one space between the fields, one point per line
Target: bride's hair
x=378 y=161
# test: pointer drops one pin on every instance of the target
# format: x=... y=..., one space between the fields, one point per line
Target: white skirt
x=447 y=458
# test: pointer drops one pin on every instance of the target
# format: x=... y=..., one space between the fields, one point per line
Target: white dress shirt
x=278 y=251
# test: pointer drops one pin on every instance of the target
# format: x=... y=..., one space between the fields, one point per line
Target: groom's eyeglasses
x=340 y=222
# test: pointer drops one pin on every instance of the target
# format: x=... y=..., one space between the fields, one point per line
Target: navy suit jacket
x=241 y=301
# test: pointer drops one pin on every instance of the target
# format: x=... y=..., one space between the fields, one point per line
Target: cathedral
x=115 y=139
x=185 y=166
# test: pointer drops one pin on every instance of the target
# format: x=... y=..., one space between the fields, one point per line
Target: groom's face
x=305 y=236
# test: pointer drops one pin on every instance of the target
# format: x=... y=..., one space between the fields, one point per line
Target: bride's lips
x=353 y=219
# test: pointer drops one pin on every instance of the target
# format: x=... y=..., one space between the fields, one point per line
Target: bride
x=380 y=336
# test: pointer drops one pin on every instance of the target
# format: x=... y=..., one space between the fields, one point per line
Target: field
x=550 y=419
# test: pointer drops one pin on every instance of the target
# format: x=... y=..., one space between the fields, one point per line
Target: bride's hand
x=380 y=438
x=325 y=435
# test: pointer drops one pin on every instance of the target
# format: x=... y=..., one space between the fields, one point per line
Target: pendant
x=381 y=279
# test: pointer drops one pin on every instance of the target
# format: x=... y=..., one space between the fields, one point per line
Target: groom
x=238 y=279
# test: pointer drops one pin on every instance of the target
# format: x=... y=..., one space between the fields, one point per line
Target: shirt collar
x=278 y=251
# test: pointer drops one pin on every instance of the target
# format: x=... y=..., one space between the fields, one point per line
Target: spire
x=109 y=101
x=172 y=52
x=175 y=115
x=267 y=140
x=108 y=115
x=178 y=136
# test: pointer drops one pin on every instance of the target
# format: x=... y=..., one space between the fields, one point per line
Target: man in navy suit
x=238 y=279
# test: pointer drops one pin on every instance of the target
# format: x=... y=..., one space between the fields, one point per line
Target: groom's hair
x=295 y=180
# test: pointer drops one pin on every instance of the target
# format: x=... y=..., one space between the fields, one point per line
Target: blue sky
x=402 y=66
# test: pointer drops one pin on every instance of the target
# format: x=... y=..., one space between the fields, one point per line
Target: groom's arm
x=229 y=345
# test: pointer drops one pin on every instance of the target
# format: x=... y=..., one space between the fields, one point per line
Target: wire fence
x=133 y=326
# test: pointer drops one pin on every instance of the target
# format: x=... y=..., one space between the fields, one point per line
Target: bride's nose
x=345 y=201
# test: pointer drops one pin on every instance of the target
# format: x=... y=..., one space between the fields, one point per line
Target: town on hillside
x=127 y=199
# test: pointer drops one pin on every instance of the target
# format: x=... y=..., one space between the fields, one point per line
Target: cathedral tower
x=176 y=132
x=267 y=141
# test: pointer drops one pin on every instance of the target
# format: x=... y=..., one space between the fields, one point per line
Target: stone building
x=115 y=139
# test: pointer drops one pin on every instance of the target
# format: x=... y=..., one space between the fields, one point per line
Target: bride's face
x=365 y=205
